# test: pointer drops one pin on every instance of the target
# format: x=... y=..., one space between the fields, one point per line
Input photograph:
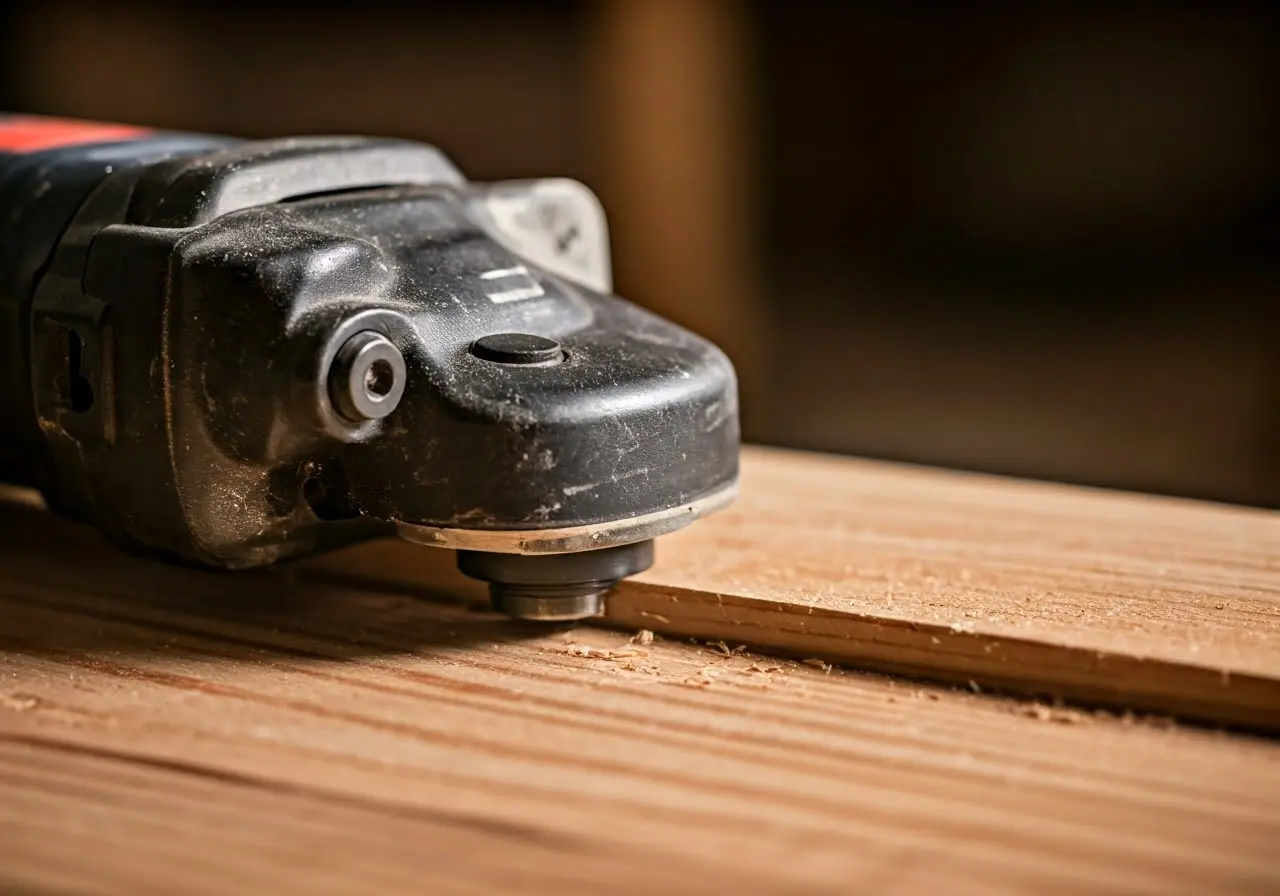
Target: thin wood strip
x=164 y=730
x=1131 y=601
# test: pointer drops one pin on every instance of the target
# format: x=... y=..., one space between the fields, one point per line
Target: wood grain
x=1118 y=599
x=164 y=730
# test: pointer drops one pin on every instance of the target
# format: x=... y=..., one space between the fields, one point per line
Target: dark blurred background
x=1036 y=239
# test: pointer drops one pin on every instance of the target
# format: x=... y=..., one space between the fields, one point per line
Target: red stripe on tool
x=32 y=133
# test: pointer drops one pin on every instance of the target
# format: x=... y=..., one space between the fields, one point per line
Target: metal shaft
x=555 y=587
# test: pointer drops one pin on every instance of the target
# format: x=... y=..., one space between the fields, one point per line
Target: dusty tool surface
x=166 y=730
x=235 y=353
x=1128 y=600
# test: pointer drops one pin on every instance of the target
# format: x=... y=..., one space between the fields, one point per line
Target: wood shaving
x=764 y=667
x=704 y=677
x=19 y=702
x=598 y=653
x=584 y=650
x=818 y=664
x=1129 y=717
x=1053 y=714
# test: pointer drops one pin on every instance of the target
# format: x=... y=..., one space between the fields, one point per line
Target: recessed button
x=517 y=348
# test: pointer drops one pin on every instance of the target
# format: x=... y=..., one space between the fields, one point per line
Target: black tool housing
x=181 y=343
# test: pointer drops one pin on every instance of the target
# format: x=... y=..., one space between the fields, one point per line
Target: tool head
x=306 y=342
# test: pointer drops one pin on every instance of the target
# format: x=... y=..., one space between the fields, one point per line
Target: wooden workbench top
x=166 y=730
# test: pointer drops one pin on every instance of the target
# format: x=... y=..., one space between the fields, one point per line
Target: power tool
x=231 y=353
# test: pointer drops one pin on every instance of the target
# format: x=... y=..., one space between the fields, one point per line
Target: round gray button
x=517 y=348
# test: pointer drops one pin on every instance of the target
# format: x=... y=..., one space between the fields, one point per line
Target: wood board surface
x=1111 y=598
x=165 y=730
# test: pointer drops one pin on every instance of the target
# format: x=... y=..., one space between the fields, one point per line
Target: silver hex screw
x=367 y=377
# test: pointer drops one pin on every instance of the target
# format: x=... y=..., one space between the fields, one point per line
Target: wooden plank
x=1118 y=599
x=164 y=730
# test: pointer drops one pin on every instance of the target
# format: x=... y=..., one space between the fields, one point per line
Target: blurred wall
x=1036 y=239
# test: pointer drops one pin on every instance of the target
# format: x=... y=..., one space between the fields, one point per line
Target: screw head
x=367 y=377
